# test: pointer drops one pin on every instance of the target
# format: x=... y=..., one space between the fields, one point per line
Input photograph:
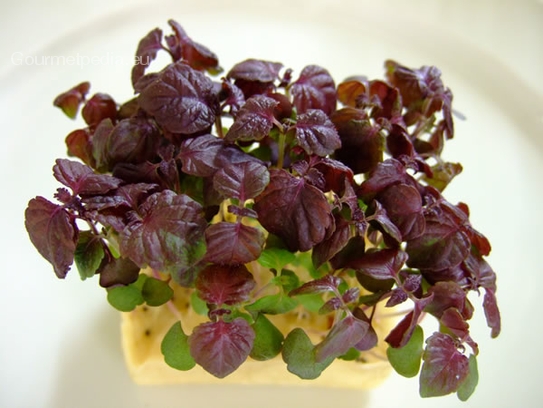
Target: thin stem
x=169 y=303
x=281 y=150
x=218 y=126
x=174 y=309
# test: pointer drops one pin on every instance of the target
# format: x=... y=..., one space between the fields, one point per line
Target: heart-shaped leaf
x=146 y=52
x=196 y=55
x=181 y=99
x=314 y=89
x=88 y=254
x=254 y=120
x=233 y=243
x=380 y=264
x=299 y=354
x=167 y=234
x=198 y=155
x=242 y=180
x=344 y=334
x=406 y=360
x=273 y=304
x=82 y=179
x=221 y=347
x=294 y=210
x=175 y=349
x=221 y=284
x=316 y=133
x=268 y=339
x=444 y=368
x=53 y=232
x=255 y=70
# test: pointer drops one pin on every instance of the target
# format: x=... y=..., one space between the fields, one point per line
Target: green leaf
x=125 y=298
x=288 y=280
x=88 y=254
x=276 y=258
x=311 y=302
x=268 y=340
x=470 y=383
x=273 y=304
x=406 y=360
x=198 y=305
x=156 y=292
x=142 y=278
x=304 y=261
x=299 y=354
x=175 y=349
x=350 y=355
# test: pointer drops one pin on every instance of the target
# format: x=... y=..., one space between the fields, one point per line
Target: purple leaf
x=335 y=173
x=351 y=295
x=492 y=313
x=448 y=295
x=254 y=120
x=112 y=209
x=221 y=347
x=99 y=142
x=351 y=251
x=390 y=171
x=390 y=104
x=399 y=143
x=362 y=143
x=444 y=368
x=400 y=335
x=198 y=155
x=233 y=243
x=133 y=140
x=314 y=89
x=330 y=305
x=325 y=250
x=350 y=91
x=118 y=271
x=255 y=77
x=145 y=53
x=255 y=70
x=223 y=284
x=345 y=334
x=316 y=133
x=70 y=100
x=101 y=106
x=384 y=223
x=328 y=283
x=181 y=99
x=412 y=282
x=422 y=91
x=166 y=234
x=455 y=322
x=381 y=264
x=53 y=232
x=294 y=210
x=403 y=205
x=79 y=145
x=242 y=211
x=194 y=54
x=370 y=339
x=397 y=297
x=232 y=96
x=241 y=180
x=232 y=154
x=82 y=179
x=479 y=271
x=442 y=245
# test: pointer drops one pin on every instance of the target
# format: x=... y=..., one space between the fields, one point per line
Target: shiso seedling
x=336 y=191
